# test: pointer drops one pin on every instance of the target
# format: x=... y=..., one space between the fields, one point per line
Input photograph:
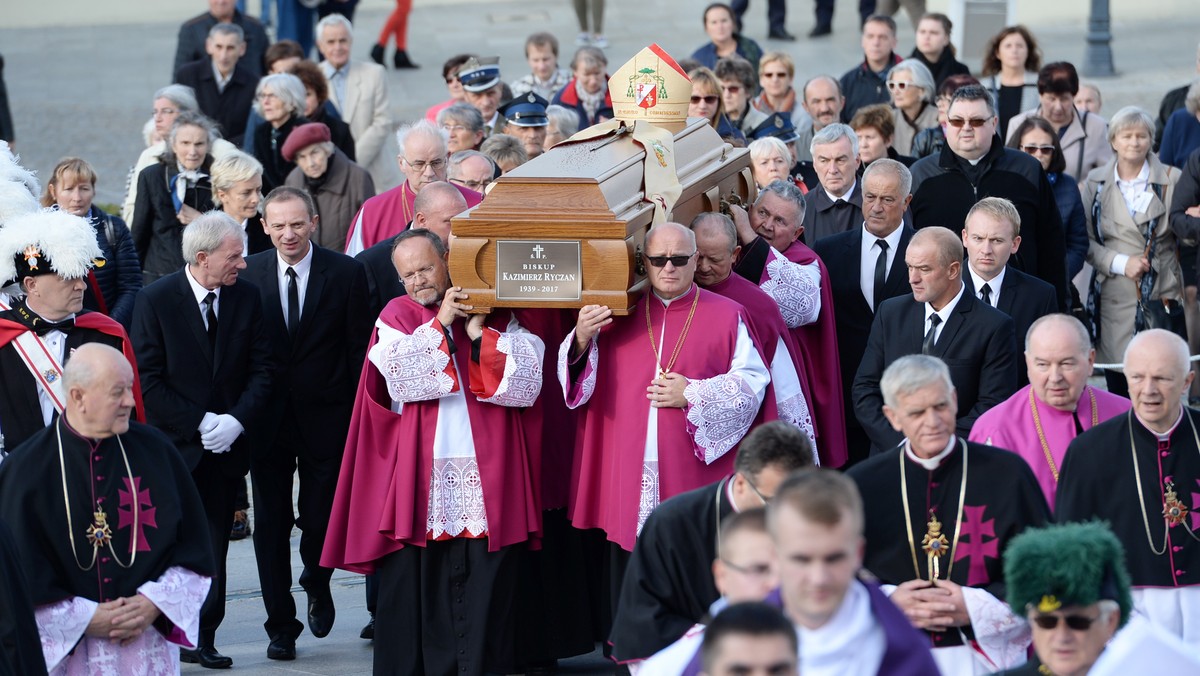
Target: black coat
x=977 y=343
x=842 y=257
x=1026 y=299
x=339 y=131
x=945 y=66
x=194 y=32
x=121 y=276
x=268 y=149
x=383 y=282
x=230 y=108
x=943 y=194
x=157 y=232
x=331 y=341
x=183 y=377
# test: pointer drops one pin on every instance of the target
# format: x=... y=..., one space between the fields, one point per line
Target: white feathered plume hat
x=47 y=241
x=19 y=188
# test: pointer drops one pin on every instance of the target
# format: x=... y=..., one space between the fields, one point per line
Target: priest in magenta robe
x=663 y=394
x=1041 y=420
x=717 y=252
x=776 y=260
x=437 y=486
x=423 y=159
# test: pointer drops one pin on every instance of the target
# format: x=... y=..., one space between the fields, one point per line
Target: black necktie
x=880 y=271
x=293 y=306
x=210 y=315
x=985 y=293
x=931 y=337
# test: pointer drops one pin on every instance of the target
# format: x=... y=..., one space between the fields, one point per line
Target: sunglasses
x=1035 y=150
x=900 y=86
x=774 y=74
x=661 y=261
x=974 y=123
x=1074 y=622
x=710 y=100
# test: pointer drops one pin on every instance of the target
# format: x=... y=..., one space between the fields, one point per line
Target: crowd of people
x=932 y=276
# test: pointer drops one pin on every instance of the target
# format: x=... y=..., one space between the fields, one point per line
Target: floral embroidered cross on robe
x=436 y=447
x=630 y=455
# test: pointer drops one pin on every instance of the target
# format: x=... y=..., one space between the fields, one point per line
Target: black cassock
x=668 y=585
x=20 y=646
x=171 y=529
x=1098 y=481
x=1002 y=499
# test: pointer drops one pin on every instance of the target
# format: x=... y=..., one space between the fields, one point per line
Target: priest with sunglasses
x=663 y=394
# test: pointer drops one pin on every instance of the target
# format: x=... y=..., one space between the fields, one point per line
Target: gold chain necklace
x=99 y=533
x=1170 y=500
x=678 y=342
x=1037 y=423
x=934 y=540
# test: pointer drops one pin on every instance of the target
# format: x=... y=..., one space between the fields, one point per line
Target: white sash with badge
x=41 y=363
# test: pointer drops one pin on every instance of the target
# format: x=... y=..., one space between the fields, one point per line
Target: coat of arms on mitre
x=646 y=87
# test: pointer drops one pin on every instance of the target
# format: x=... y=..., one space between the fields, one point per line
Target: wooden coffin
x=562 y=230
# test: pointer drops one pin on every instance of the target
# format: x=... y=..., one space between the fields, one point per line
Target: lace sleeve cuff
x=719 y=412
x=509 y=368
x=178 y=595
x=1003 y=637
x=795 y=288
x=61 y=626
x=577 y=393
x=417 y=366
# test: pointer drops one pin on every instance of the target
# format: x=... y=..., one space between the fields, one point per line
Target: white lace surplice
x=416 y=368
x=790 y=403
x=178 y=594
x=795 y=288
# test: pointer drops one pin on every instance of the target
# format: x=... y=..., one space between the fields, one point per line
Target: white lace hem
x=795 y=411
x=456 y=498
x=648 y=500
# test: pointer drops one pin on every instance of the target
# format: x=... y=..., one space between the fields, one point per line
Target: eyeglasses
x=765 y=499
x=661 y=261
x=760 y=570
x=1074 y=622
x=710 y=100
x=774 y=74
x=1035 y=150
x=411 y=277
x=974 y=123
x=473 y=185
x=896 y=85
x=421 y=165
x=732 y=89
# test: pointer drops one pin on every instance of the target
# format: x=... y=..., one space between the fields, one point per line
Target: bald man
x=658 y=420
x=1140 y=473
x=974 y=339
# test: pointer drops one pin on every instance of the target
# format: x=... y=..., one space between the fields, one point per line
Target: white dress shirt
x=302 y=268
x=944 y=313
x=200 y=292
x=222 y=80
x=834 y=198
x=994 y=284
x=869 y=253
x=1132 y=191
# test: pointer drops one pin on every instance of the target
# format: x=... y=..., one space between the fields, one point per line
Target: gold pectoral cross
x=934 y=545
x=99 y=533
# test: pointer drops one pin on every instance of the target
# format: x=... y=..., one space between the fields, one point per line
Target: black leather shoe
x=320 y=614
x=820 y=31
x=781 y=35
x=368 y=632
x=282 y=648
x=400 y=60
x=207 y=657
x=377 y=54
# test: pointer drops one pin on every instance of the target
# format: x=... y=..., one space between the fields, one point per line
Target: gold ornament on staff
x=1174 y=511
x=934 y=545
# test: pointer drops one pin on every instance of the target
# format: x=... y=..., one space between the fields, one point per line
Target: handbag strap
x=1146 y=288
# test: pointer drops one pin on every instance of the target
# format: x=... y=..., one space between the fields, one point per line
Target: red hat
x=304 y=136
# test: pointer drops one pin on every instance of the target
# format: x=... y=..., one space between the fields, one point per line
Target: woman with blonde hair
x=237 y=181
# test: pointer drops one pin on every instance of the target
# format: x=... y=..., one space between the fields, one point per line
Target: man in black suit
x=866 y=267
x=194 y=32
x=834 y=206
x=992 y=236
x=940 y=319
x=317 y=323
x=433 y=208
x=224 y=87
x=205 y=366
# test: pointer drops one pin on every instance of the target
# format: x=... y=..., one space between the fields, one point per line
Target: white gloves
x=208 y=422
x=224 y=431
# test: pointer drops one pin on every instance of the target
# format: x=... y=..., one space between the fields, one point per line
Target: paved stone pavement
x=80 y=75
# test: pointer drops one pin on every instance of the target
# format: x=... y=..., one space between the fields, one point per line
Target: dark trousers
x=271 y=473
x=776 y=14
x=446 y=608
x=824 y=12
x=217 y=494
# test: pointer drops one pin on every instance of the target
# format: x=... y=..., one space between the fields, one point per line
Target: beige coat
x=1125 y=234
x=366 y=110
x=1084 y=144
x=902 y=140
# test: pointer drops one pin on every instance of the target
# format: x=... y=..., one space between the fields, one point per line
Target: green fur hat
x=1073 y=564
